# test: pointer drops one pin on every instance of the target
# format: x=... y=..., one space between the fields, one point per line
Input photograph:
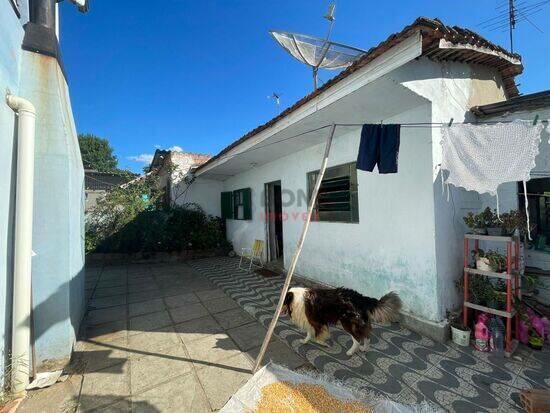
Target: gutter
x=21 y=316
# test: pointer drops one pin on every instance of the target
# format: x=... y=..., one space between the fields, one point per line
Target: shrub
x=134 y=219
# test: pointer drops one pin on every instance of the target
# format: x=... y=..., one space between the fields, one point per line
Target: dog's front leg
x=353 y=348
x=366 y=344
x=308 y=337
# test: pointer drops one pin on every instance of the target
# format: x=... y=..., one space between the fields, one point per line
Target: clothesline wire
x=409 y=124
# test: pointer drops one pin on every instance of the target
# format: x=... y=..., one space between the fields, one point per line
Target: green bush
x=134 y=219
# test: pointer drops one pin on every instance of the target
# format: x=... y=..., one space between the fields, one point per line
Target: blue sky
x=196 y=74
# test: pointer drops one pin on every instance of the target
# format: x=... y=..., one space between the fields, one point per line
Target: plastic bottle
x=481 y=334
x=496 y=328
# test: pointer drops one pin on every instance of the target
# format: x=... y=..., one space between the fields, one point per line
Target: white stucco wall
x=453 y=88
x=392 y=246
x=203 y=192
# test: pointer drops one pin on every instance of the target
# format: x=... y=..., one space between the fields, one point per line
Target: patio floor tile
x=233 y=318
x=105 y=302
x=104 y=387
x=211 y=294
x=189 y=312
x=221 y=382
x=248 y=336
x=146 y=307
x=279 y=353
x=148 y=371
x=197 y=329
x=182 y=394
x=220 y=304
x=108 y=331
x=106 y=315
x=151 y=342
x=109 y=291
x=211 y=350
x=181 y=300
x=148 y=322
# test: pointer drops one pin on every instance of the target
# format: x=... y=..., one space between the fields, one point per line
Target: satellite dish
x=318 y=52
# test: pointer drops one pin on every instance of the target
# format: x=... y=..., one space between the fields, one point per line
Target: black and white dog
x=314 y=309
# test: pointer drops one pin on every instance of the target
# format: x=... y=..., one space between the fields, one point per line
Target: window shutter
x=227 y=205
x=247 y=203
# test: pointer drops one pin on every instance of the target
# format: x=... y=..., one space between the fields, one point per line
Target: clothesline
x=406 y=125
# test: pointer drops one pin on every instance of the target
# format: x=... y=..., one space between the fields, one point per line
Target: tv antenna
x=277 y=99
x=316 y=52
x=512 y=12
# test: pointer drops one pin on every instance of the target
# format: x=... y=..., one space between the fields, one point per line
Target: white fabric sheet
x=481 y=157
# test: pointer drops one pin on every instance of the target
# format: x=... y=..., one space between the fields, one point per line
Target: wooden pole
x=296 y=253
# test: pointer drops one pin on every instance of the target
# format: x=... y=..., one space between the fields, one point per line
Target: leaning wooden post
x=296 y=253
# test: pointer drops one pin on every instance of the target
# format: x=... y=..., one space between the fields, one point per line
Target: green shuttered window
x=227 y=205
x=237 y=204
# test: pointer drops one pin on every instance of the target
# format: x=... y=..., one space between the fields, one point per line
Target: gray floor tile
x=148 y=322
x=91 y=356
x=109 y=291
x=197 y=329
x=151 y=342
x=98 y=303
x=143 y=296
x=108 y=331
x=233 y=318
x=188 y=312
x=181 y=394
x=181 y=300
x=211 y=350
x=279 y=353
x=211 y=294
x=104 y=387
x=248 y=336
x=149 y=371
x=220 y=304
x=106 y=315
x=221 y=382
x=146 y=307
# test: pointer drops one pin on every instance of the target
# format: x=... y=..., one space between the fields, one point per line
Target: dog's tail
x=387 y=309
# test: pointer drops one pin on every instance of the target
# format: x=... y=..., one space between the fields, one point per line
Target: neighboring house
x=385 y=232
x=97 y=184
x=173 y=167
x=31 y=68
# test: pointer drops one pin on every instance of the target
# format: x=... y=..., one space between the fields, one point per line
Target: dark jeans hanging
x=379 y=145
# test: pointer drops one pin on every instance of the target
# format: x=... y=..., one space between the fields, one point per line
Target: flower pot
x=479 y=231
x=494 y=231
x=536 y=342
x=460 y=337
x=483 y=264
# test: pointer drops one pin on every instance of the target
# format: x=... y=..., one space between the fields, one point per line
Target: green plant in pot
x=513 y=220
x=490 y=261
x=476 y=223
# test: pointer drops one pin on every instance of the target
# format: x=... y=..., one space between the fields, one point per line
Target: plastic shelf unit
x=511 y=277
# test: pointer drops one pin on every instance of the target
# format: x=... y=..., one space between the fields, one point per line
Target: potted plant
x=535 y=339
x=513 y=220
x=476 y=223
x=490 y=261
x=492 y=221
x=459 y=332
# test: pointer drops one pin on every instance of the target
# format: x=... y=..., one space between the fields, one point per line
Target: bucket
x=460 y=337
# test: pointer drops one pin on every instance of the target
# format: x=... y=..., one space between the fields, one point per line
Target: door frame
x=268 y=230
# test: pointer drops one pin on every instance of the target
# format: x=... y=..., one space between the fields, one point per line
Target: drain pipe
x=23 y=243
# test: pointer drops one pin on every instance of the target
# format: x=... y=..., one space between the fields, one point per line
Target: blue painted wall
x=58 y=229
x=11 y=36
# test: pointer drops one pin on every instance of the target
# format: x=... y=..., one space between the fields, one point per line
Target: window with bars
x=337 y=199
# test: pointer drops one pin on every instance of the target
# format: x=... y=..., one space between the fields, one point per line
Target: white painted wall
x=453 y=88
x=392 y=246
x=204 y=192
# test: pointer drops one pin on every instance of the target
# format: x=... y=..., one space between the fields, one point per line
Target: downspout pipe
x=20 y=358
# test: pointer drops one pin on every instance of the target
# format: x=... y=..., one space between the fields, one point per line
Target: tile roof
x=477 y=50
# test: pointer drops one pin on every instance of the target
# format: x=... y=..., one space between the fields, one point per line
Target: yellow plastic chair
x=254 y=254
